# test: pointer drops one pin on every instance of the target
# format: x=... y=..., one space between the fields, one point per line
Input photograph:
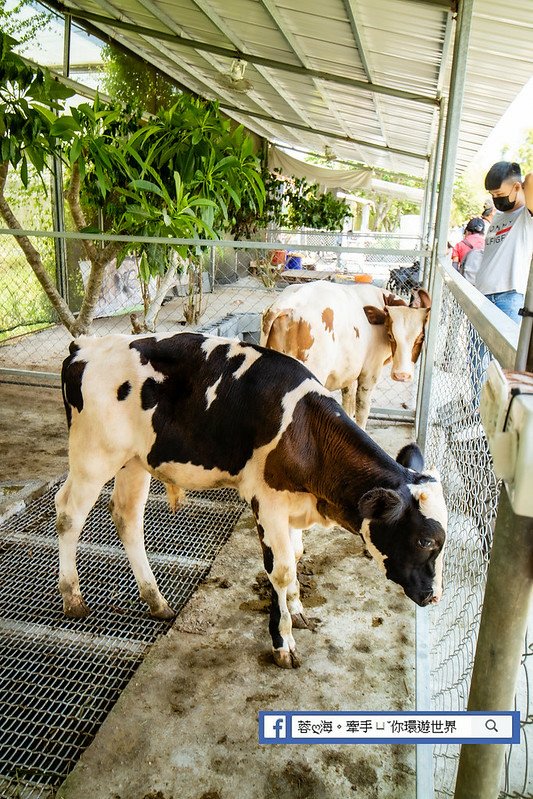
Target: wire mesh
x=60 y=677
x=225 y=293
x=456 y=444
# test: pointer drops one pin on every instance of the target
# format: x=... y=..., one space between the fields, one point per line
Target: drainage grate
x=60 y=677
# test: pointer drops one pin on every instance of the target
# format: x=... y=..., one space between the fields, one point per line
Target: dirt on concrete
x=186 y=727
x=33 y=433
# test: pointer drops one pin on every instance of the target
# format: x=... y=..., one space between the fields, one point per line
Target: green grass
x=23 y=304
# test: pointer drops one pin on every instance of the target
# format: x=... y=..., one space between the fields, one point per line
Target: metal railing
x=231 y=284
x=469 y=332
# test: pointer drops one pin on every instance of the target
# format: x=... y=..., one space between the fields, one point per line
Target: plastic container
x=294 y=262
x=364 y=277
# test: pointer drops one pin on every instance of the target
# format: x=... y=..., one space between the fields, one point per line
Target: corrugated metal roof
x=326 y=72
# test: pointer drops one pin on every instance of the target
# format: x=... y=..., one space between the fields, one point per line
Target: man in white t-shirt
x=504 y=270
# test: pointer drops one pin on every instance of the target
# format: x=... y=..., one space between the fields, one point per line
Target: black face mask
x=503 y=203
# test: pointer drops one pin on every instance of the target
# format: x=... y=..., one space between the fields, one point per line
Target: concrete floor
x=186 y=727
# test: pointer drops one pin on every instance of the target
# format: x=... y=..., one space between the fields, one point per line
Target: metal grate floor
x=60 y=677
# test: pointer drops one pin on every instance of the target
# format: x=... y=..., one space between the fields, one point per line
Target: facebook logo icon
x=274 y=727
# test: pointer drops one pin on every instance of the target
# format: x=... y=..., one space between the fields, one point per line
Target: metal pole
x=504 y=618
x=428 y=270
x=58 y=210
x=524 y=352
x=212 y=264
x=435 y=176
x=447 y=174
x=424 y=753
x=67 y=31
x=58 y=221
x=499 y=647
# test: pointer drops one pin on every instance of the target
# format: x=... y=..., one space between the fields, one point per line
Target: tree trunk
x=99 y=258
x=169 y=278
x=33 y=257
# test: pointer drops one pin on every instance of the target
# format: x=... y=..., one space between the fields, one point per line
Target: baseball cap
x=475 y=225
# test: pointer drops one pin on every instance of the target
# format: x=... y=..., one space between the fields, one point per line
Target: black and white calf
x=201 y=412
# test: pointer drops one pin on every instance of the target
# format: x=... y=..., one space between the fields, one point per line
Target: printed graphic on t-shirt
x=498 y=232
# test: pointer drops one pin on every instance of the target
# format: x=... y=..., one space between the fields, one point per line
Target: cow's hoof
x=75 y=608
x=286 y=660
x=163 y=614
x=300 y=622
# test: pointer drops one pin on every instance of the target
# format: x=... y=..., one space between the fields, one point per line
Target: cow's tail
x=70 y=383
x=176 y=496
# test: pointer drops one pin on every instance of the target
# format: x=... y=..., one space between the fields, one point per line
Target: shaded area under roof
x=364 y=78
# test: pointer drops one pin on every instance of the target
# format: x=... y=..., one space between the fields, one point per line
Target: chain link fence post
x=504 y=620
x=500 y=643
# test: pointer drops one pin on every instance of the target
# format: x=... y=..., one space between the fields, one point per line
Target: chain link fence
x=225 y=293
x=457 y=446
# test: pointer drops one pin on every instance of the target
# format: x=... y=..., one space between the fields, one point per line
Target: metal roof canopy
x=364 y=77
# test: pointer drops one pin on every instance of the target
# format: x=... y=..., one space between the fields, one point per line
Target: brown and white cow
x=200 y=412
x=345 y=334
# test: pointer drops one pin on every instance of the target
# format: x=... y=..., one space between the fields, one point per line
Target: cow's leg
x=349 y=394
x=294 y=603
x=132 y=484
x=365 y=387
x=280 y=565
x=73 y=502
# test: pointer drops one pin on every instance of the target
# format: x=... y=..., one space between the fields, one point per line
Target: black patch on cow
x=407 y=563
x=246 y=415
x=275 y=617
x=149 y=393
x=71 y=378
x=254 y=504
x=411 y=457
x=268 y=556
x=323 y=452
x=123 y=390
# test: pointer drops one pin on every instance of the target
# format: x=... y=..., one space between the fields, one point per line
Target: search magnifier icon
x=490 y=724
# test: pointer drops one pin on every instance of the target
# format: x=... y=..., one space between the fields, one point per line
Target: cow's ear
x=411 y=457
x=376 y=316
x=393 y=300
x=421 y=299
x=382 y=504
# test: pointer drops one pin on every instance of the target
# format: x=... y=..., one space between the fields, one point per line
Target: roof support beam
x=227 y=52
x=291 y=40
x=328 y=134
x=205 y=8
x=349 y=7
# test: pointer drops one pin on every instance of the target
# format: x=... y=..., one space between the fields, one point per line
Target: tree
x=135 y=83
x=525 y=153
x=177 y=176
x=295 y=203
x=28 y=100
x=15 y=23
x=213 y=170
x=467 y=201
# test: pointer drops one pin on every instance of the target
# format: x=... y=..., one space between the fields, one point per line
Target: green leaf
x=75 y=150
x=24 y=171
x=144 y=268
x=64 y=125
x=146 y=185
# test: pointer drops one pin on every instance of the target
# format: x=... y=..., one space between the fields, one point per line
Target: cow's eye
x=425 y=543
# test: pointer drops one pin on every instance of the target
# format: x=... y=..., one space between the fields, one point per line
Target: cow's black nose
x=425 y=599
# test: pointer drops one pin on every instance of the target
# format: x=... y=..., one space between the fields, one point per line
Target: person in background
x=473 y=239
x=487 y=215
x=504 y=270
